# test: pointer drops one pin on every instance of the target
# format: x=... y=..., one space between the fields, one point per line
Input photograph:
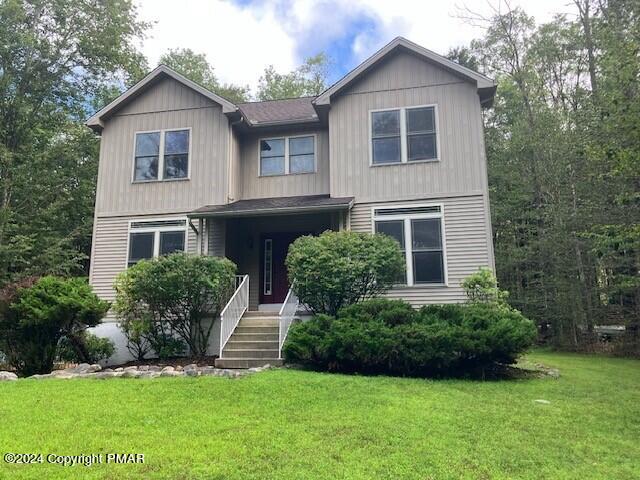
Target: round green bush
x=337 y=269
x=388 y=336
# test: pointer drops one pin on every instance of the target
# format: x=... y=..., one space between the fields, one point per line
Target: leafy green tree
x=307 y=80
x=337 y=269
x=197 y=68
x=55 y=57
x=563 y=169
x=36 y=314
x=177 y=295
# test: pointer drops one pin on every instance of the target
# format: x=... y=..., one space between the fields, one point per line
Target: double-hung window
x=419 y=230
x=287 y=155
x=161 y=155
x=153 y=238
x=402 y=135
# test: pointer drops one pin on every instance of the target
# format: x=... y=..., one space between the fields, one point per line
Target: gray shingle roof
x=272 y=206
x=279 y=111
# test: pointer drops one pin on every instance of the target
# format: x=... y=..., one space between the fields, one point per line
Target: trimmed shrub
x=388 y=336
x=169 y=302
x=35 y=314
x=337 y=269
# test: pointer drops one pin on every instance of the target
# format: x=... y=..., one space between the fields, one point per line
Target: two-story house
x=395 y=146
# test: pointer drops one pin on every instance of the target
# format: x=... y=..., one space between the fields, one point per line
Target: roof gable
x=96 y=122
x=486 y=86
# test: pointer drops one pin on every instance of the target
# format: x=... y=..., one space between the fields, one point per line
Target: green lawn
x=289 y=424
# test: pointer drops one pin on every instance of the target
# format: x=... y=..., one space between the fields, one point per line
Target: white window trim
x=286 y=139
x=161 y=156
x=408 y=243
x=156 y=231
x=404 y=152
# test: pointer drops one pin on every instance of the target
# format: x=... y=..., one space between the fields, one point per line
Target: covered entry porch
x=256 y=234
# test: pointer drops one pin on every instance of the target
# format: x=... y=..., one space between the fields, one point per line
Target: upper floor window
x=420 y=233
x=161 y=155
x=149 y=239
x=404 y=135
x=287 y=155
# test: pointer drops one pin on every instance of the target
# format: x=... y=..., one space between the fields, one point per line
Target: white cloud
x=240 y=41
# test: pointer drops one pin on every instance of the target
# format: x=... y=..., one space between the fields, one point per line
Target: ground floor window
x=419 y=229
x=152 y=238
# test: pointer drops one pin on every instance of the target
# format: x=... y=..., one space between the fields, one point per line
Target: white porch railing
x=286 y=316
x=233 y=311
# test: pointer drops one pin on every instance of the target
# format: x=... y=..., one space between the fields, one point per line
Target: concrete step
x=241 y=344
x=254 y=336
x=257 y=314
x=249 y=353
x=261 y=329
x=246 y=362
x=258 y=322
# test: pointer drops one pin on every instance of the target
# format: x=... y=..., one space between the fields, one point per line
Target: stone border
x=84 y=370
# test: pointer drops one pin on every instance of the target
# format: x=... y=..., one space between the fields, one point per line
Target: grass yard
x=290 y=424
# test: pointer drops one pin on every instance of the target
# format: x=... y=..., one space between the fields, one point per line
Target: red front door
x=274 y=283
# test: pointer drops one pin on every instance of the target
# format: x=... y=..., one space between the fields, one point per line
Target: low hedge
x=390 y=337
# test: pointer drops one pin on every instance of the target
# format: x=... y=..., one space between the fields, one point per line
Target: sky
x=242 y=37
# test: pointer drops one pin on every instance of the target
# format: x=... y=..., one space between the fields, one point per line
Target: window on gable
x=404 y=135
x=421 y=134
x=385 y=136
x=176 y=154
x=424 y=252
x=150 y=239
x=147 y=156
x=162 y=155
x=287 y=155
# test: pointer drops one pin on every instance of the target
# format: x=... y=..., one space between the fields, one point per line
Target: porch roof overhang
x=274 y=206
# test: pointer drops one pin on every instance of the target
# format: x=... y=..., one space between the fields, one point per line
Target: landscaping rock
x=7 y=376
x=82 y=368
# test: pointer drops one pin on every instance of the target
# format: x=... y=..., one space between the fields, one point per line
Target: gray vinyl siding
x=216 y=236
x=168 y=105
x=405 y=81
x=468 y=246
x=255 y=186
x=109 y=251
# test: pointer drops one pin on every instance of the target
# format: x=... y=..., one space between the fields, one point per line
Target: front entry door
x=274 y=284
